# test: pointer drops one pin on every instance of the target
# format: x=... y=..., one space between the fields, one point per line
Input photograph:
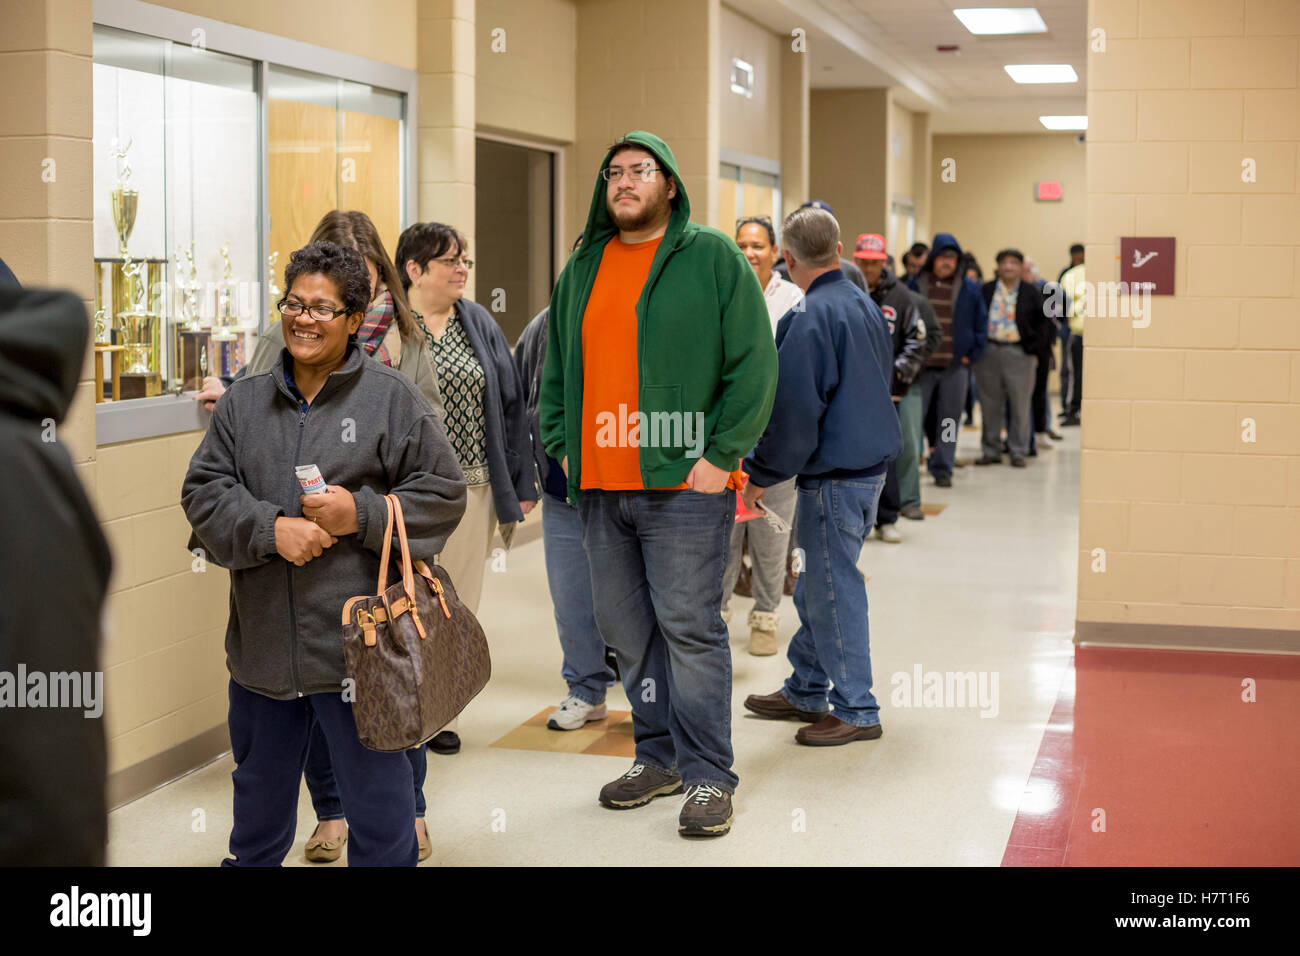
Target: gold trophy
x=138 y=323
x=226 y=320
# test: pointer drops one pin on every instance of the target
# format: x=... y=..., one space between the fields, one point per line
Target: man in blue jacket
x=964 y=321
x=833 y=425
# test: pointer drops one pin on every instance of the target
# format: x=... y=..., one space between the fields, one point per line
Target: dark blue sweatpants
x=269 y=740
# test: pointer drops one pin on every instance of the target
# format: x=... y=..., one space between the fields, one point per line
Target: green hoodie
x=704 y=341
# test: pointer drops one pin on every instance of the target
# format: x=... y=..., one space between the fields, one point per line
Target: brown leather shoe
x=776 y=707
x=830 y=731
x=744 y=587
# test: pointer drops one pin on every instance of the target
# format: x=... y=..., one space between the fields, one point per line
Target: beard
x=657 y=207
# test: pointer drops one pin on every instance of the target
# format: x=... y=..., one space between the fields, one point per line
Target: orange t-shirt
x=611 y=377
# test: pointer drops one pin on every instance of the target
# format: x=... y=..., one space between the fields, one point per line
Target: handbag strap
x=408 y=579
x=388 y=546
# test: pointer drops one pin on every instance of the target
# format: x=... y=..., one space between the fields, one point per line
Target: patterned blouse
x=462 y=382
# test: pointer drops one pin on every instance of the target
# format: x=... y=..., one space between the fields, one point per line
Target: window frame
x=171 y=414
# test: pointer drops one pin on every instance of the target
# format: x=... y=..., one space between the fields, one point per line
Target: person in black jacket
x=913 y=341
x=485 y=415
x=55 y=565
x=1019 y=338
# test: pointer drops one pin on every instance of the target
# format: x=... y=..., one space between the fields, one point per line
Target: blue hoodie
x=970 y=317
x=833 y=416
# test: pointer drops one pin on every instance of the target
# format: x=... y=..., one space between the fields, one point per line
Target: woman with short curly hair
x=295 y=558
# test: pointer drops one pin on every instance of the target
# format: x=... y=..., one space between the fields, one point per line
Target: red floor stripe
x=1153 y=758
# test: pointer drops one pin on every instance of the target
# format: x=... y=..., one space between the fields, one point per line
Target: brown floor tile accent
x=611 y=737
x=931 y=510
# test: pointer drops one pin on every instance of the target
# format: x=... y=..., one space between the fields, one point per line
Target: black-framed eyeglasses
x=612 y=174
x=321 y=313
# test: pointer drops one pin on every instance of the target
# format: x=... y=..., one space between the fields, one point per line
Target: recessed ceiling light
x=1042 y=73
x=995 y=21
x=1064 y=122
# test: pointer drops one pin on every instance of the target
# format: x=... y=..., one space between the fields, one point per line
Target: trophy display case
x=179 y=288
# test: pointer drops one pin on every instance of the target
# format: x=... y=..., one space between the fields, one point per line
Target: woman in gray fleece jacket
x=294 y=559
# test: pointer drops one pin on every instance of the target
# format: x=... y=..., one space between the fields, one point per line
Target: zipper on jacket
x=288 y=569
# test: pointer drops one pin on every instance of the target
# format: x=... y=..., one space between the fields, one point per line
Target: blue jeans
x=324 y=789
x=946 y=387
x=569 y=578
x=268 y=740
x=657 y=560
x=831 y=651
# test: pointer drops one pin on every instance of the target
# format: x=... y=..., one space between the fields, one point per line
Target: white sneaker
x=888 y=532
x=574 y=714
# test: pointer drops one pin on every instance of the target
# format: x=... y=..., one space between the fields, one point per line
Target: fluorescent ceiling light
x=994 y=21
x=1042 y=73
x=1064 y=122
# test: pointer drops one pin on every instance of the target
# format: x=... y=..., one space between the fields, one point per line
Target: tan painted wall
x=991 y=204
x=750 y=124
x=530 y=87
x=1199 y=526
x=648 y=64
x=849 y=158
x=377 y=29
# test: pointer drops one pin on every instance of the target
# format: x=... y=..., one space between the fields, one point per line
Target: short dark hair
x=918 y=249
x=340 y=264
x=1013 y=253
x=423 y=241
x=764 y=221
x=1077 y=247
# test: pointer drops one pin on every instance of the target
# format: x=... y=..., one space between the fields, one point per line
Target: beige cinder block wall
x=165 y=676
x=446 y=61
x=1198 y=514
x=991 y=205
x=849 y=158
x=750 y=125
x=647 y=64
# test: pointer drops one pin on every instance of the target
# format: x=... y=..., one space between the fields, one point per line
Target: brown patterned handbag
x=416 y=655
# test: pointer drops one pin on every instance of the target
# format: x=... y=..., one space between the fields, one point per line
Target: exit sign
x=1049 y=191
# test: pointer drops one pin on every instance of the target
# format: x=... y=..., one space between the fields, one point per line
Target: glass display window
x=176 y=213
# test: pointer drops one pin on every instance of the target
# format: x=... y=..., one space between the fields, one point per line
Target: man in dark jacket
x=963 y=321
x=833 y=425
x=913 y=341
x=1020 y=337
x=55 y=567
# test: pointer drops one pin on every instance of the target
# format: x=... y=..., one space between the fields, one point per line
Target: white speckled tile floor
x=987 y=586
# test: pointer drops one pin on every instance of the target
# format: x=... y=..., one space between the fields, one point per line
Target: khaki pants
x=465 y=554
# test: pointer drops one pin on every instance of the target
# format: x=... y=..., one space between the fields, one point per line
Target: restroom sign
x=1149 y=261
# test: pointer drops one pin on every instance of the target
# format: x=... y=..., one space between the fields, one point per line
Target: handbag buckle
x=437 y=589
x=366 y=621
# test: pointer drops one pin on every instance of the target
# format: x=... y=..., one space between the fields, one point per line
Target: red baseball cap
x=870 y=246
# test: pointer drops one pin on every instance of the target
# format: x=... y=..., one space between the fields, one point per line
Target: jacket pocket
x=664 y=426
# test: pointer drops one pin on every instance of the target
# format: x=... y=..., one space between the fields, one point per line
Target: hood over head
x=43 y=337
x=600 y=225
x=943 y=241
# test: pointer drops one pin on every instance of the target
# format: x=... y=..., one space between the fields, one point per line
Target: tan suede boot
x=762 y=633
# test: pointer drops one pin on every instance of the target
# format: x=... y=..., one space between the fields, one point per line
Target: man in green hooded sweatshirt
x=659 y=377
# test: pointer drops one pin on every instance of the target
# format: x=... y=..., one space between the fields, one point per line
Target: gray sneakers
x=706 y=811
x=639 y=786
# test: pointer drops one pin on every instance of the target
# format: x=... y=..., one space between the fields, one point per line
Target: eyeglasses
x=612 y=174
x=321 y=313
x=452 y=261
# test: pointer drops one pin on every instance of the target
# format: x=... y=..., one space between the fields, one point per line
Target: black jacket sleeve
x=514 y=410
x=908 y=362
